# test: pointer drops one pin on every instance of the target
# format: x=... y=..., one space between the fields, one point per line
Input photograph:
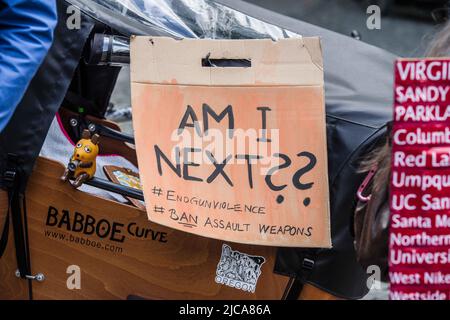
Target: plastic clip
x=308 y=264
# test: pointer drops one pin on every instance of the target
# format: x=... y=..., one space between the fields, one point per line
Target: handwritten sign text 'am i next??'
x=419 y=255
x=235 y=152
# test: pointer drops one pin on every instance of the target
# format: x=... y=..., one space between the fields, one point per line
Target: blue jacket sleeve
x=26 y=33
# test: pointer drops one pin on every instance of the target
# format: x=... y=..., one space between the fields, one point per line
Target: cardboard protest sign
x=230 y=137
x=419 y=257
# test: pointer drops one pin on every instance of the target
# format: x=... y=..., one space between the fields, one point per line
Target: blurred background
x=406 y=25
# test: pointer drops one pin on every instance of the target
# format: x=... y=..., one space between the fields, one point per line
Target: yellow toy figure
x=82 y=164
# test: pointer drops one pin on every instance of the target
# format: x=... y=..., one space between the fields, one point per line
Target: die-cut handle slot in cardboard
x=225 y=63
x=286 y=62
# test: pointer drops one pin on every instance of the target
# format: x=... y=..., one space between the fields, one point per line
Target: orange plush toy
x=82 y=163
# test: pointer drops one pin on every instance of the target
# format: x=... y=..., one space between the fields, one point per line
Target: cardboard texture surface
x=233 y=153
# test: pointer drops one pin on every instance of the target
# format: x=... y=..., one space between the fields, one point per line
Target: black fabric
x=10 y=182
x=26 y=245
x=93 y=86
x=305 y=265
x=5 y=233
x=19 y=234
x=293 y=289
x=18 y=216
x=25 y=133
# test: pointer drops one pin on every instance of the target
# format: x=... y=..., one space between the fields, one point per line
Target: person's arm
x=26 y=34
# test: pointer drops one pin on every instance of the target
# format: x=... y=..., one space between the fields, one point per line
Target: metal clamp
x=39 y=277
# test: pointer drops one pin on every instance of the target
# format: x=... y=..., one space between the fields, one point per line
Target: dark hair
x=380 y=159
x=381 y=156
x=440 y=45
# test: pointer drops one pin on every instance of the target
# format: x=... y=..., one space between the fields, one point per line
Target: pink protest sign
x=419 y=242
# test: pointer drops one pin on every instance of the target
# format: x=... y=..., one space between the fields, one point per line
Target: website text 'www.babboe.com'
x=82 y=241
